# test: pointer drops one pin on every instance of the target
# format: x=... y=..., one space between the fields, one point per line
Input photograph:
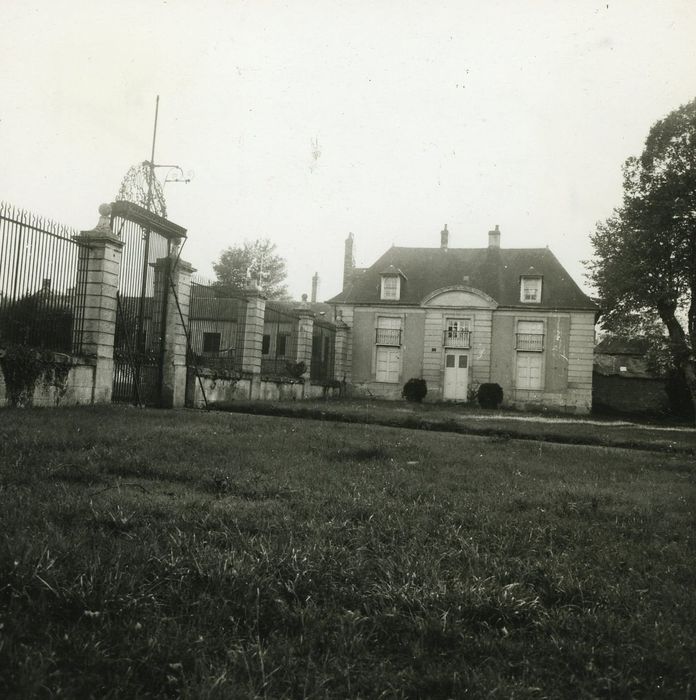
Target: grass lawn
x=461 y=418
x=177 y=553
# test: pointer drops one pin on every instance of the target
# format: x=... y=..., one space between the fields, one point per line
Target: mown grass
x=183 y=554
x=472 y=420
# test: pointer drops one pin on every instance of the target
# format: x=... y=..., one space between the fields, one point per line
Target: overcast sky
x=304 y=121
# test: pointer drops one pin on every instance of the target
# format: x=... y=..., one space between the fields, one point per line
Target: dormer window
x=391 y=287
x=530 y=290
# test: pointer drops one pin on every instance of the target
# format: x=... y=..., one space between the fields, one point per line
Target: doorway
x=456 y=382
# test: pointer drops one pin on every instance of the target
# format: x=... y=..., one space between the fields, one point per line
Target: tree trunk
x=682 y=353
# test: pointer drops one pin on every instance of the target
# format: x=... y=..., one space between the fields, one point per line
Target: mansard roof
x=494 y=271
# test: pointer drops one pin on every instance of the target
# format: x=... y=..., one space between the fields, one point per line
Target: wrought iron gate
x=141 y=302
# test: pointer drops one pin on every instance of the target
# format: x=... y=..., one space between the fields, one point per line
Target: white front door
x=456 y=375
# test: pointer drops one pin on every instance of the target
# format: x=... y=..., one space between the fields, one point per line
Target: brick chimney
x=315 y=287
x=444 y=238
x=348 y=261
x=494 y=238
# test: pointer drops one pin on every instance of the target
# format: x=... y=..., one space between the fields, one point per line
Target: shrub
x=415 y=390
x=295 y=369
x=490 y=395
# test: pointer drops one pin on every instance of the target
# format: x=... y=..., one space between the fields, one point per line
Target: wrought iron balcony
x=456 y=338
x=387 y=336
x=532 y=342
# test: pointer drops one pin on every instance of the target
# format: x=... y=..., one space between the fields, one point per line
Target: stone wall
x=629 y=394
x=72 y=384
x=246 y=386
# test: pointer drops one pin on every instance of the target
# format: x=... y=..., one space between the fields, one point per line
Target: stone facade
x=459 y=318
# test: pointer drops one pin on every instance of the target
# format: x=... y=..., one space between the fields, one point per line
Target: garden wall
x=245 y=386
x=629 y=394
x=65 y=381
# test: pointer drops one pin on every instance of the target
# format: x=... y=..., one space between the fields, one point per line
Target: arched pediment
x=460 y=296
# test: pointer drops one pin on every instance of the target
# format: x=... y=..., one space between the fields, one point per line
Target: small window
x=530 y=336
x=266 y=344
x=388 y=330
x=211 y=343
x=530 y=290
x=281 y=344
x=391 y=287
x=463 y=361
x=458 y=333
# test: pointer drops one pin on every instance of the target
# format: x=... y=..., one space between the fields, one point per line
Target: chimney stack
x=348 y=261
x=315 y=287
x=494 y=238
x=444 y=238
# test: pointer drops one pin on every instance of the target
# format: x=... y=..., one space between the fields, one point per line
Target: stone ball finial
x=104 y=225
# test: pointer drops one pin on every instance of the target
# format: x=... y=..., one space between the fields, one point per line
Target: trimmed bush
x=490 y=395
x=295 y=369
x=415 y=390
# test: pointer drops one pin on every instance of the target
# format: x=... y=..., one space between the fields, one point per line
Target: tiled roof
x=614 y=345
x=321 y=310
x=495 y=271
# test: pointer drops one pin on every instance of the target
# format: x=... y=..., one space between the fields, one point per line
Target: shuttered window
x=529 y=366
x=388 y=360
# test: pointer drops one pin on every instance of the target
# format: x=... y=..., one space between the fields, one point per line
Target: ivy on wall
x=23 y=367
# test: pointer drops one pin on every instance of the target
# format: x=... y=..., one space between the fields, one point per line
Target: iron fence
x=387 y=336
x=279 y=345
x=533 y=342
x=42 y=282
x=217 y=316
x=456 y=338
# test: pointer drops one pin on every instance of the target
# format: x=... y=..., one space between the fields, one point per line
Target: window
x=211 y=343
x=266 y=344
x=529 y=371
x=281 y=344
x=391 y=287
x=530 y=336
x=388 y=330
x=530 y=290
x=458 y=333
x=388 y=364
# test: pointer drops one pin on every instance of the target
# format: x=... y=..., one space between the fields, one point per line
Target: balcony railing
x=456 y=338
x=532 y=342
x=388 y=336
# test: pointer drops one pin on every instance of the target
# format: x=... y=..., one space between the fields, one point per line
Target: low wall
x=65 y=381
x=224 y=387
x=381 y=390
x=575 y=401
x=629 y=394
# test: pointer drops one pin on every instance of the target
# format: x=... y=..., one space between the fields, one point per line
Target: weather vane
x=151 y=165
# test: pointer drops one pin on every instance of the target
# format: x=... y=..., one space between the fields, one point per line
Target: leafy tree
x=645 y=254
x=135 y=186
x=253 y=259
x=646 y=325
